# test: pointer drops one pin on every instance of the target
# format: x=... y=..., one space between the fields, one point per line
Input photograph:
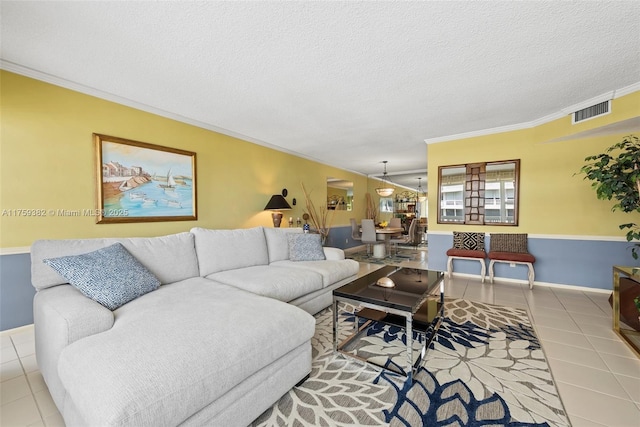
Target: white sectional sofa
x=225 y=334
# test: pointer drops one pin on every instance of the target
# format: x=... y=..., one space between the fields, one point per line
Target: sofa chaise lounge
x=225 y=334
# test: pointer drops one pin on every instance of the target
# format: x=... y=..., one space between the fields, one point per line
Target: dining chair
x=355 y=230
x=395 y=223
x=368 y=233
x=404 y=240
x=414 y=232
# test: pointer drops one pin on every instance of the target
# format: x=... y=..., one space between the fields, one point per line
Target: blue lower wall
x=16 y=292
x=340 y=237
x=564 y=261
x=560 y=261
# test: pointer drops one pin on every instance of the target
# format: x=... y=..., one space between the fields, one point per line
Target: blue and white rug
x=485 y=368
x=398 y=258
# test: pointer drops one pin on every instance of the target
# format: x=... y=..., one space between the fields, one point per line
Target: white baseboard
x=18 y=330
x=355 y=249
x=535 y=283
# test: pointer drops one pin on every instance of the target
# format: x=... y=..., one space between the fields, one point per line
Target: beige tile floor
x=597 y=375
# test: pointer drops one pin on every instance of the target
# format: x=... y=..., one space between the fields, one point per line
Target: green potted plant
x=616 y=175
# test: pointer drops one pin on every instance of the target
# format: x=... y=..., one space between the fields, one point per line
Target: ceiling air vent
x=591 y=112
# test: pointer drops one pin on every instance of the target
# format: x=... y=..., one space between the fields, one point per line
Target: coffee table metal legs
x=337 y=346
x=335 y=325
x=409 y=333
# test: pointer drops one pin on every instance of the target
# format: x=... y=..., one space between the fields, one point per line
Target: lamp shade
x=386 y=190
x=277 y=203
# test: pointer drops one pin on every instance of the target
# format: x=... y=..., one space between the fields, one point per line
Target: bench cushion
x=466 y=253
x=468 y=241
x=511 y=256
x=508 y=242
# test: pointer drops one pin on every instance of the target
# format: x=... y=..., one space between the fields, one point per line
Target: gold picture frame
x=141 y=182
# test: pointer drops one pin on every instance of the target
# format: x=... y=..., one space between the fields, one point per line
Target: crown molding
x=87 y=90
x=542 y=120
x=588 y=103
x=626 y=90
x=475 y=133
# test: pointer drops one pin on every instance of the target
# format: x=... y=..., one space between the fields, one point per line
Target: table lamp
x=276 y=204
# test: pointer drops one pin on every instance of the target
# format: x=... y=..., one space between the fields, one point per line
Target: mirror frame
x=335 y=202
x=473 y=188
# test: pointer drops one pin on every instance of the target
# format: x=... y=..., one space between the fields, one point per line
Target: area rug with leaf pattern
x=397 y=258
x=485 y=367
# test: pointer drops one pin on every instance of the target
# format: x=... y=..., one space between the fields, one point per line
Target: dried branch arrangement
x=321 y=219
x=372 y=210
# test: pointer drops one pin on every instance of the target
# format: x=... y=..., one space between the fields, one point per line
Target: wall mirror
x=484 y=193
x=339 y=194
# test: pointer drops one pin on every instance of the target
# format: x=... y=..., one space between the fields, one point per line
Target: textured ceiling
x=346 y=83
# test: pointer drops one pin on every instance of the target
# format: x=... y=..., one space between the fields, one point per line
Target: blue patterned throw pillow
x=305 y=247
x=110 y=276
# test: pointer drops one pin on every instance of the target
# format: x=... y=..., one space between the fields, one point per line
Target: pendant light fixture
x=421 y=195
x=386 y=190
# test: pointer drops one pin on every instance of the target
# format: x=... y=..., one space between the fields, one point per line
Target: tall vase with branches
x=616 y=175
x=321 y=218
x=372 y=210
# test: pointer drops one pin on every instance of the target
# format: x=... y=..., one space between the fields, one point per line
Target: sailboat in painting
x=170 y=186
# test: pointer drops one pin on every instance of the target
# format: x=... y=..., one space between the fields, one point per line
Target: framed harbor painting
x=140 y=182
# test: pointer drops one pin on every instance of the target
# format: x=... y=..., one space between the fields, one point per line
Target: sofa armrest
x=62 y=315
x=333 y=253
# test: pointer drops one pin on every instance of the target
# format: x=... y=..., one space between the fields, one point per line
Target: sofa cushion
x=305 y=247
x=333 y=253
x=332 y=271
x=110 y=276
x=220 y=250
x=170 y=258
x=174 y=351
x=284 y=284
x=277 y=242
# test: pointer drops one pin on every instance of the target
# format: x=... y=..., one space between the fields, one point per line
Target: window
x=479 y=193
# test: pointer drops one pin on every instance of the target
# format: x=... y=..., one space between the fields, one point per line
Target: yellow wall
x=554 y=199
x=47 y=161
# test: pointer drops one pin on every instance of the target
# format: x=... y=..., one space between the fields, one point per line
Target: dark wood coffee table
x=415 y=302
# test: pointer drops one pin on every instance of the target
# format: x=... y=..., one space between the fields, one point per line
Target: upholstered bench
x=512 y=249
x=468 y=246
